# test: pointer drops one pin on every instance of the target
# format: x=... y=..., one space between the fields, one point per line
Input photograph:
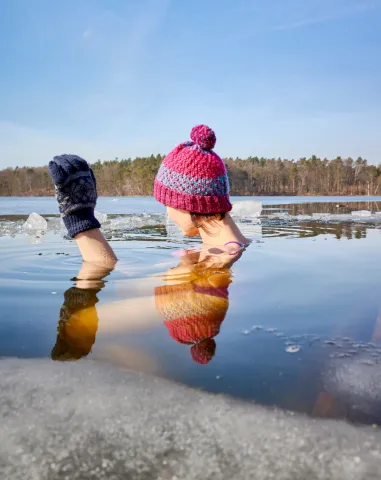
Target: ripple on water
x=57 y=260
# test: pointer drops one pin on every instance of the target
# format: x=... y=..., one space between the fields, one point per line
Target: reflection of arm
x=133 y=314
x=138 y=313
x=81 y=319
x=91 y=275
x=121 y=316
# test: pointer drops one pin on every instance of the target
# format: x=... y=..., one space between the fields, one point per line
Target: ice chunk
x=173 y=230
x=101 y=217
x=34 y=239
x=35 y=222
x=279 y=216
x=362 y=213
x=248 y=208
x=292 y=349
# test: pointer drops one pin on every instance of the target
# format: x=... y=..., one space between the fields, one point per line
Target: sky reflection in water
x=282 y=325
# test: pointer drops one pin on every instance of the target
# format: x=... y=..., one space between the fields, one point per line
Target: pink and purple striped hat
x=192 y=177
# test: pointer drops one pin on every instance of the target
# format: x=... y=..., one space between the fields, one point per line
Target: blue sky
x=120 y=78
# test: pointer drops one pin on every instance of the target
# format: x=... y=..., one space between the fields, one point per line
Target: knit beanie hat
x=192 y=177
x=194 y=312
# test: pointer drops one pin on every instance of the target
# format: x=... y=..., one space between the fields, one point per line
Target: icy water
x=301 y=302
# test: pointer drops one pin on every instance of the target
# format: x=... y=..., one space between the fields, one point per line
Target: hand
x=76 y=192
x=74 y=182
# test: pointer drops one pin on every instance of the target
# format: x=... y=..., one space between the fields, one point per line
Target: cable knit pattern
x=192 y=177
x=76 y=192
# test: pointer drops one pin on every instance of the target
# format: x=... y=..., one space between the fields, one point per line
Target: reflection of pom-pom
x=203 y=136
x=204 y=351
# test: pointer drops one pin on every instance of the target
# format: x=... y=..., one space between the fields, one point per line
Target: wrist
x=80 y=221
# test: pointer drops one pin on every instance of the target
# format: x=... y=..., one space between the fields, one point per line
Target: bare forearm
x=94 y=248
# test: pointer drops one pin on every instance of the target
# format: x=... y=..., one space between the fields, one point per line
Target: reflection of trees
x=314 y=228
x=284 y=227
x=331 y=208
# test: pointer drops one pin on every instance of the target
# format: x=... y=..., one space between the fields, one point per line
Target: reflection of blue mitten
x=77 y=325
x=76 y=192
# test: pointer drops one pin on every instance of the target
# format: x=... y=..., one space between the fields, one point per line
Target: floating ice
x=341 y=355
x=172 y=229
x=292 y=349
x=248 y=208
x=35 y=222
x=250 y=216
x=362 y=213
x=101 y=217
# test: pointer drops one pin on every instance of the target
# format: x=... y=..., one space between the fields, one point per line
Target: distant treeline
x=250 y=176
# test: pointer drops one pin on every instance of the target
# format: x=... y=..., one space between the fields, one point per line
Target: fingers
x=78 y=163
x=93 y=177
x=63 y=166
x=56 y=172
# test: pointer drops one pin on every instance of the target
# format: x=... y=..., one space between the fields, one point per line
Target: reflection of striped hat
x=192 y=177
x=194 y=312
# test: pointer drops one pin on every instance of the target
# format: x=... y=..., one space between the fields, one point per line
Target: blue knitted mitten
x=76 y=192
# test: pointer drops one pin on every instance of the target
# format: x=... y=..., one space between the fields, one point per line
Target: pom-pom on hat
x=193 y=177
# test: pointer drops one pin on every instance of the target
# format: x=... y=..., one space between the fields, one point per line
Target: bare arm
x=76 y=193
x=95 y=248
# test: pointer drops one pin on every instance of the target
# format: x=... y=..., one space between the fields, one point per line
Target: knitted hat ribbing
x=192 y=177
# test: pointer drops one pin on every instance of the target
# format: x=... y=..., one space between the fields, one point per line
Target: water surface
x=266 y=327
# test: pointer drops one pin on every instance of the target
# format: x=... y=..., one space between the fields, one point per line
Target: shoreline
x=312 y=195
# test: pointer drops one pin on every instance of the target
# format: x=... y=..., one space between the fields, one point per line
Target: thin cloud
x=337 y=15
x=86 y=34
x=23 y=145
